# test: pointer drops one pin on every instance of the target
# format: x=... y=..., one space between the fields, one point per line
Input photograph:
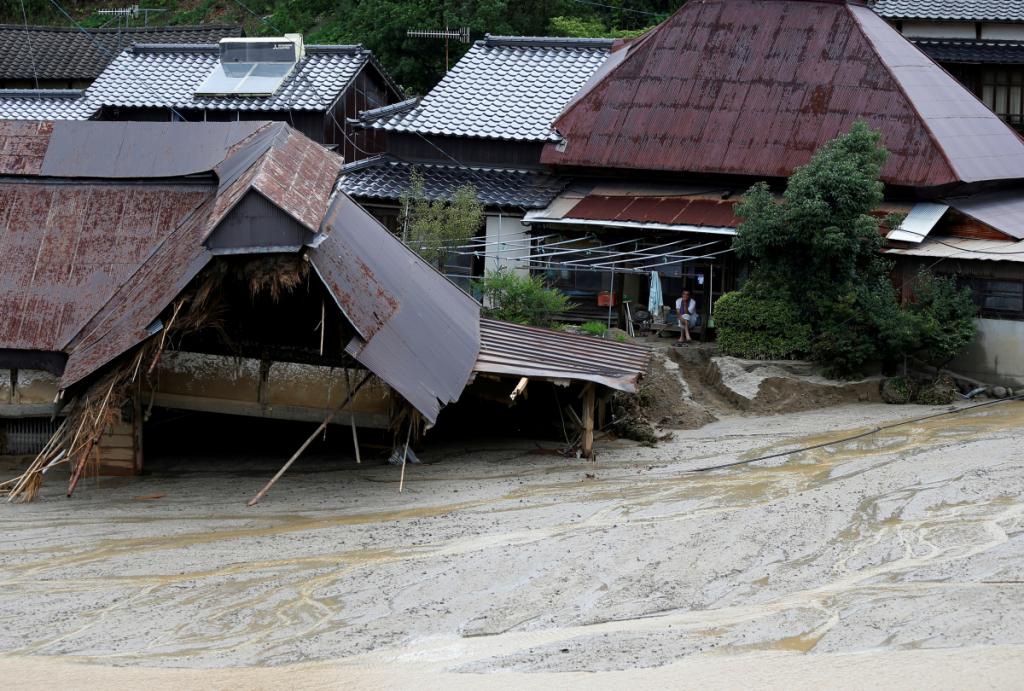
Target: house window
x=1002 y=90
x=997 y=298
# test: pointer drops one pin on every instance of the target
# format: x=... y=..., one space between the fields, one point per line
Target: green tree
x=521 y=299
x=817 y=272
x=435 y=228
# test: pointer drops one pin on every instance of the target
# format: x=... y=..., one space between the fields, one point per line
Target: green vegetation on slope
x=380 y=25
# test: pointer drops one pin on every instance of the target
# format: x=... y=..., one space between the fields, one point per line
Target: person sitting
x=686 y=308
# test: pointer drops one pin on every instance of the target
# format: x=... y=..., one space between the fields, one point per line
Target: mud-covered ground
x=895 y=560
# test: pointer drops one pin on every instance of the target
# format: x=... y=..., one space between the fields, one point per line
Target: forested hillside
x=378 y=24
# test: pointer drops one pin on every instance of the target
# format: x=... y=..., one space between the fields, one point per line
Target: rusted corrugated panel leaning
x=528 y=351
x=419 y=332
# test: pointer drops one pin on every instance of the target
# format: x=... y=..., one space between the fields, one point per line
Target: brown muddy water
x=896 y=546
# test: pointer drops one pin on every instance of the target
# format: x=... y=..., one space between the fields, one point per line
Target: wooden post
x=589 y=394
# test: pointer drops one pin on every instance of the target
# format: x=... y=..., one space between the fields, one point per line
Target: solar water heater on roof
x=251 y=67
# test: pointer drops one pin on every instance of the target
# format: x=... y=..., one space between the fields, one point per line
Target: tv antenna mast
x=129 y=12
x=460 y=35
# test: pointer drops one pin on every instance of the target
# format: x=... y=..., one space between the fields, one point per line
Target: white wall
x=513 y=236
x=939 y=29
x=997 y=354
x=1003 y=31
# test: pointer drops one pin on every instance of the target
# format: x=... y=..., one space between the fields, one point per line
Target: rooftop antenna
x=129 y=12
x=460 y=35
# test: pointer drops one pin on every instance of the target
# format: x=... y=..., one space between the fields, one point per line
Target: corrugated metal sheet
x=1003 y=211
x=754 y=88
x=527 y=351
x=965 y=248
x=694 y=211
x=23 y=146
x=66 y=249
x=420 y=333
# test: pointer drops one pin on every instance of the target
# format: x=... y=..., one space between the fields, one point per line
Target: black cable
x=861 y=435
x=28 y=40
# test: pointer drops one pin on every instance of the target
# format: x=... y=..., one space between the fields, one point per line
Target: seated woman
x=686 y=308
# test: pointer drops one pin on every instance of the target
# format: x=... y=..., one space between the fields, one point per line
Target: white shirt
x=690 y=309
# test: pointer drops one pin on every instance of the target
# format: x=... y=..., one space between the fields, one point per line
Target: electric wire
x=854 y=437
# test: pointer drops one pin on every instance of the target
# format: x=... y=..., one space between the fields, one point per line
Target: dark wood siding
x=488 y=152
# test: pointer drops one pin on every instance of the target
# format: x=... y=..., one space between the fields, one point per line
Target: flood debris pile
x=212 y=267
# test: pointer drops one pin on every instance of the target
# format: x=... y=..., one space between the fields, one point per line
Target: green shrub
x=898 y=390
x=521 y=299
x=942 y=391
x=621 y=338
x=760 y=328
x=944 y=318
x=594 y=328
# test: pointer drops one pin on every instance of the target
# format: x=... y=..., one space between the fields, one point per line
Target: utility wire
x=78 y=26
x=853 y=437
x=265 y=21
x=28 y=40
x=621 y=9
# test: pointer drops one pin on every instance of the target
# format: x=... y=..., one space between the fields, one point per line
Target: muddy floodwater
x=896 y=559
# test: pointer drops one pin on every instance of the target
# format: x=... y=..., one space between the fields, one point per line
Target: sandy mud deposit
x=903 y=551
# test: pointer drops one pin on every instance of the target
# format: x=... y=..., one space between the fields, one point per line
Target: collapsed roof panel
x=421 y=333
x=528 y=351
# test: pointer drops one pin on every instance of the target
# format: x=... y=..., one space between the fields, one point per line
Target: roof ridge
x=173 y=47
x=545 y=42
x=133 y=29
x=371 y=114
x=41 y=93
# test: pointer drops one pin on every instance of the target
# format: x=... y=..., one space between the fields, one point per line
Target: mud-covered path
x=501 y=560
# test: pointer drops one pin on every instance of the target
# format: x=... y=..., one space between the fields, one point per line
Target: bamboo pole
x=295 y=456
x=405 y=455
x=589 y=394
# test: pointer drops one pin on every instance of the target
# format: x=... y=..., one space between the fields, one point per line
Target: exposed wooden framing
x=520 y=387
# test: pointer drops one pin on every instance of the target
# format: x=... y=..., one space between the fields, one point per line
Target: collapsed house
x=210 y=267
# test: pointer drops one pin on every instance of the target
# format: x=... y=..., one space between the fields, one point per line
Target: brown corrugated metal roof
x=753 y=87
x=67 y=248
x=22 y=146
x=694 y=211
x=528 y=351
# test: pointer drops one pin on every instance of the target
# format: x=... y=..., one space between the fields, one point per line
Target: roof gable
x=753 y=88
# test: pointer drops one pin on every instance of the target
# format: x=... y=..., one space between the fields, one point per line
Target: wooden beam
x=589 y=396
x=520 y=387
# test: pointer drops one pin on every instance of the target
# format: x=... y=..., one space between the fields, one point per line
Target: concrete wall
x=31 y=395
x=1003 y=31
x=920 y=29
x=997 y=354
x=506 y=229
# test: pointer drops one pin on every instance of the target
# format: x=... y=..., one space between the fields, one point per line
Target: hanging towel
x=654 y=302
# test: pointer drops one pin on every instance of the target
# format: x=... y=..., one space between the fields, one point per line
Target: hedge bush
x=760 y=328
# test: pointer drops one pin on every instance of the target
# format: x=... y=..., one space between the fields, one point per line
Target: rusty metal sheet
x=419 y=332
x=528 y=351
x=676 y=210
x=23 y=146
x=140 y=149
x=67 y=248
x=753 y=88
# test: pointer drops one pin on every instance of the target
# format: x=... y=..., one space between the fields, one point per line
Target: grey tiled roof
x=44 y=104
x=164 y=76
x=966 y=10
x=52 y=52
x=968 y=50
x=505 y=88
x=386 y=178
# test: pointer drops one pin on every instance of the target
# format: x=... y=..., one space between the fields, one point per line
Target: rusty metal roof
x=528 y=351
x=283 y=160
x=418 y=331
x=694 y=211
x=67 y=248
x=23 y=146
x=753 y=87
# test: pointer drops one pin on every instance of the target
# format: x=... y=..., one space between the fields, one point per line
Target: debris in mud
x=942 y=391
x=663 y=401
x=898 y=390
